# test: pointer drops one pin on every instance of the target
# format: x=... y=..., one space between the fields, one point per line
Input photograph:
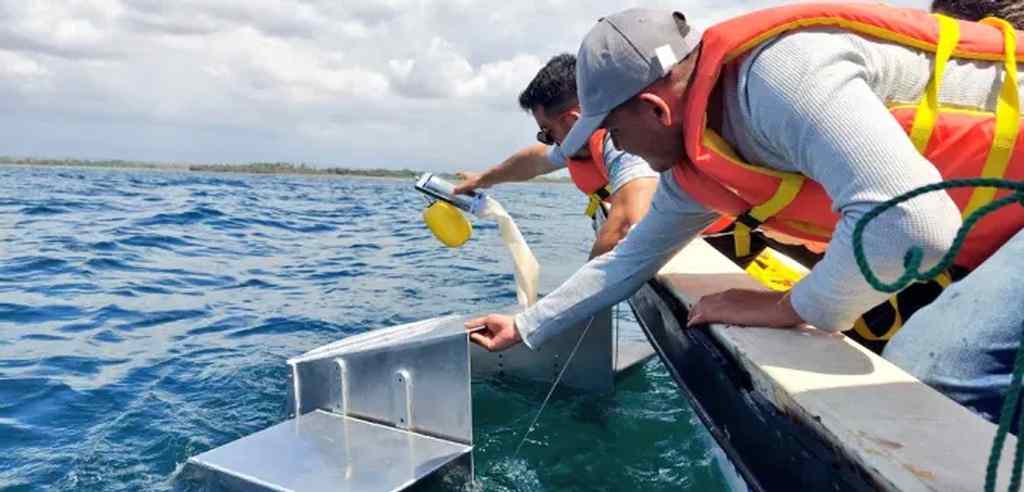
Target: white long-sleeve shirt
x=814 y=102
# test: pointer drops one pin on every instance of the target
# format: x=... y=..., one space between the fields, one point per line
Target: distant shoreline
x=251 y=168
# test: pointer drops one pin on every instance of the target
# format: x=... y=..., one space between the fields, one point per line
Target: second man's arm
x=524 y=165
x=629 y=204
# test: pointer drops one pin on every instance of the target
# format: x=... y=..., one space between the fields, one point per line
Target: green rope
x=912 y=259
x=995 y=455
x=912 y=264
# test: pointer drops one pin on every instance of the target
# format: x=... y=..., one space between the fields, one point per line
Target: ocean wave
x=194 y=216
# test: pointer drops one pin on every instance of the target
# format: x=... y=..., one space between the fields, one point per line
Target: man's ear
x=658 y=106
x=570 y=117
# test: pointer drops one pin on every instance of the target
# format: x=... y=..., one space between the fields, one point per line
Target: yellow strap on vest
x=741 y=239
x=943 y=279
x=897 y=322
x=595 y=201
x=928 y=108
x=1007 y=119
x=592 y=205
x=789 y=187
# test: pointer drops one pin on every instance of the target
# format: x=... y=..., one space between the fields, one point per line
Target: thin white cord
x=552 y=390
x=616 y=311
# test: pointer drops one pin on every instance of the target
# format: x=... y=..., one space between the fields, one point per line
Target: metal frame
x=414 y=377
x=380 y=411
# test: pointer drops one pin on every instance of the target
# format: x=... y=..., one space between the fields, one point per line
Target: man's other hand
x=746 y=307
x=470 y=182
x=494 y=332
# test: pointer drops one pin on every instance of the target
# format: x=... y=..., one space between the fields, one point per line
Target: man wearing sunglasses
x=601 y=171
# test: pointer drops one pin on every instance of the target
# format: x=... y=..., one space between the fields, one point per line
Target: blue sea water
x=145 y=317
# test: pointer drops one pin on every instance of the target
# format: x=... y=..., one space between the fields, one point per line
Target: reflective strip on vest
x=1007 y=121
x=928 y=109
x=961 y=143
x=784 y=195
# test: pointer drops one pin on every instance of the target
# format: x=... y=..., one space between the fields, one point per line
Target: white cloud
x=442 y=72
x=435 y=74
x=67 y=29
x=20 y=67
x=300 y=72
x=502 y=78
x=417 y=83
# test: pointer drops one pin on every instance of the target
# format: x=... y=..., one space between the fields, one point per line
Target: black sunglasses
x=544 y=137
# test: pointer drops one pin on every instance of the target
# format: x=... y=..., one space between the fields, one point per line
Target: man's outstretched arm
x=673 y=221
x=523 y=165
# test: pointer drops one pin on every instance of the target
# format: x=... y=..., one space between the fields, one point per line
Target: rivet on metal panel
x=343 y=372
x=403 y=389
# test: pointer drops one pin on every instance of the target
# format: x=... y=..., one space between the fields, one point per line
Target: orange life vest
x=960 y=143
x=591 y=175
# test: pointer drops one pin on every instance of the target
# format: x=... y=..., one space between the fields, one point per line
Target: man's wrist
x=787 y=311
x=519 y=323
x=483 y=182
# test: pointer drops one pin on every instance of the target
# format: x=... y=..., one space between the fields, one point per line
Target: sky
x=421 y=84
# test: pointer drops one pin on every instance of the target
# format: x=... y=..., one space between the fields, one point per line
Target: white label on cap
x=666 y=56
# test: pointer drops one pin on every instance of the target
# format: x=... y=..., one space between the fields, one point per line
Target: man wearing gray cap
x=799 y=120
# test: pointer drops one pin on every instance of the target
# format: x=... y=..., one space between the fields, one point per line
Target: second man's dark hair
x=1011 y=11
x=554 y=87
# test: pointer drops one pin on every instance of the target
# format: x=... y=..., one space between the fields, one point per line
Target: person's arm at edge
x=628 y=206
x=525 y=164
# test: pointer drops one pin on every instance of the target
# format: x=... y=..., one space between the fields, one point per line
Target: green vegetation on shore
x=251 y=168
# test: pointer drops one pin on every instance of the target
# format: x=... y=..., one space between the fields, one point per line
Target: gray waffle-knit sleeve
x=673 y=221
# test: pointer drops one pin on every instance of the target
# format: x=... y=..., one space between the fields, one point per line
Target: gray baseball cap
x=619 y=57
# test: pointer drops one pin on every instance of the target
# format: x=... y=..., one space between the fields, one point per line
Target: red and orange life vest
x=960 y=143
x=591 y=175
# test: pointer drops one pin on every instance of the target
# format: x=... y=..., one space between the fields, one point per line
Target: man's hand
x=746 y=308
x=497 y=332
x=470 y=182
